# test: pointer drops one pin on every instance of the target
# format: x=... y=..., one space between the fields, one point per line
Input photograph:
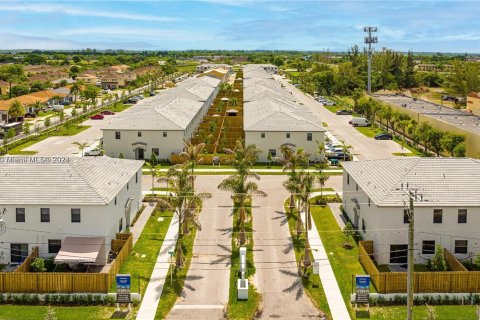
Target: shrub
x=438 y=262
x=38 y=265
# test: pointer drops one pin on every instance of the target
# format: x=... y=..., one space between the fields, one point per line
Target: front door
x=398 y=253
x=140 y=154
x=18 y=252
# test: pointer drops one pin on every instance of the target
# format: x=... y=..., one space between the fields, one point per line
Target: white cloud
x=76 y=11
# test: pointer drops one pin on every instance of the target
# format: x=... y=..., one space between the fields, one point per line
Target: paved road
x=363 y=147
x=276 y=277
x=205 y=294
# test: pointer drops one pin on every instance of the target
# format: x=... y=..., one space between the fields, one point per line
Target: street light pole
x=369 y=40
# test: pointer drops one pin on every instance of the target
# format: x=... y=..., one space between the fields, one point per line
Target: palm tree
x=238 y=184
x=233 y=102
x=76 y=89
x=37 y=106
x=155 y=172
x=307 y=180
x=346 y=149
x=16 y=110
x=183 y=201
x=80 y=146
x=191 y=154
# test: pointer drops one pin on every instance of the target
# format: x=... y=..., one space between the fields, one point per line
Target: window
x=45 y=215
x=287 y=135
x=20 y=214
x=164 y=134
x=348 y=178
x=437 y=215
x=117 y=135
x=309 y=136
x=462 y=215
x=461 y=246
x=139 y=134
x=428 y=247
x=115 y=200
x=18 y=252
x=128 y=185
x=136 y=177
x=364 y=227
x=75 y=213
x=262 y=135
x=369 y=202
x=155 y=151
x=356 y=186
x=120 y=225
x=273 y=152
x=406 y=219
x=54 y=245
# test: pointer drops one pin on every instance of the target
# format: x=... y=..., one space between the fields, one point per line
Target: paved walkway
x=335 y=301
x=151 y=298
x=337 y=214
x=276 y=276
x=137 y=228
x=205 y=293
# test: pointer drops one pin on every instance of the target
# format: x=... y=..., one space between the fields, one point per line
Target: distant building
x=446 y=210
x=159 y=125
x=51 y=202
x=5 y=87
x=207 y=66
x=88 y=79
x=273 y=118
x=473 y=103
x=218 y=73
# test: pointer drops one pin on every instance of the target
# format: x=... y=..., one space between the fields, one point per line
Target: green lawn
x=16 y=312
x=148 y=244
x=420 y=313
x=46 y=113
x=240 y=309
x=370 y=132
x=172 y=290
x=119 y=108
x=324 y=189
x=311 y=283
x=344 y=262
x=160 y=189
x=73 y=130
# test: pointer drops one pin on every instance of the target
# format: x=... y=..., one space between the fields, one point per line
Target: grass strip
x=311 y=282
x=242 y=309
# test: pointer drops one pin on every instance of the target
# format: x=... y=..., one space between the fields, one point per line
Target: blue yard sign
x=362 y=281
x=362 y=289
x=123 y=288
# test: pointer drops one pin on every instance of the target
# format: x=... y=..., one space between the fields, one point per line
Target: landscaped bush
x=59 y=299
x=38 y=265
x=426 y=299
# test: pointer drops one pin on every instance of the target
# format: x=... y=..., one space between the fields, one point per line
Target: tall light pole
x=369 y=40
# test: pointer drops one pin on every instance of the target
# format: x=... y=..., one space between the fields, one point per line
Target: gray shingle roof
x=269 y=107
x=441 y=181
x=172 y=109
x=77 y=181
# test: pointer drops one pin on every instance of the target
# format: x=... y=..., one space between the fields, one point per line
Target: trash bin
x=242 y=289
x=334 y=162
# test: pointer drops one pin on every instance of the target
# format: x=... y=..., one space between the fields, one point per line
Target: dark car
x=340 y=156
x=383 y=136
x=65 y=103
x=344 y=112
x=97 y=117
x=107 y=112
x=30 y=115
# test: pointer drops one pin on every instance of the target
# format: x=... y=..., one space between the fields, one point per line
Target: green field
x=15 y=312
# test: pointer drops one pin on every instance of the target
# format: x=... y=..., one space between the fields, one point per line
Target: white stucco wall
x=384 y=225
x=173 y=142
x=273 y=140
x=96 y=221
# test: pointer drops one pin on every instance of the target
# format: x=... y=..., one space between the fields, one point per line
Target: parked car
x=30 y=115
x=97 y=117
x=359 y=122
x=94 y=153
x=152 y=93
x=65 y=103
x=340 y=156
x=344 y=112
x=57 y=107
x=383 y=136
x=329 y=103
x=107 y=112
x=131 y=101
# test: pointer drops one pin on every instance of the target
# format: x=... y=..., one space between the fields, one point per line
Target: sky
x=429 y=26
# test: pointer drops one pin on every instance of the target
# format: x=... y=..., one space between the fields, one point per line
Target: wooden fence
x=424 y=282
x=62 y=282
x=452 y=262
x=25 y=266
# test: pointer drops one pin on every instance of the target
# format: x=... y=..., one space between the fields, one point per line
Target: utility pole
x=369 y=40
x=413 y=196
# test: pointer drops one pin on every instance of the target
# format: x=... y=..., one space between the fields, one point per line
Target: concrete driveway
x=276 y=277
x=364 y=148
x=205 y=294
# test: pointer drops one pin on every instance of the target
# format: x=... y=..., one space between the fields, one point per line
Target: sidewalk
x=137 y=229
x=329 y=282
x=151 y=298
